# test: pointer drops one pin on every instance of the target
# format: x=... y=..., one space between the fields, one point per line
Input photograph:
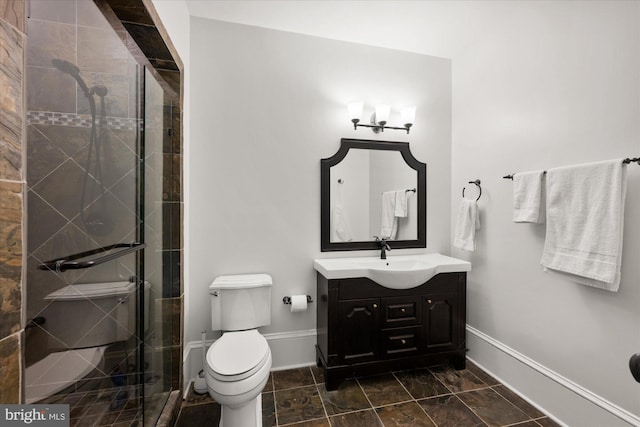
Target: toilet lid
x=237 y=355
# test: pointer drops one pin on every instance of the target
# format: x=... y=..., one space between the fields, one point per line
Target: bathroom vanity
x=366 y=328
x=373 y=314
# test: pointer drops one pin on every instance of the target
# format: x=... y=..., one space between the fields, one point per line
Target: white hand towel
x=400 y=210
x=388 y=221
x=341 y=229
x=585 y=215
x=527 y=197
x=467 y=222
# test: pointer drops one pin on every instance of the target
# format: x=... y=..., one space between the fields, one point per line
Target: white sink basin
x=395 y=272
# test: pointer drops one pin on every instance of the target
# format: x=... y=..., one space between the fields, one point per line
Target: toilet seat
x=237 y=355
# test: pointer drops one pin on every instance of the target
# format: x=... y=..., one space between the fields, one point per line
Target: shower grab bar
x=625 y=161
x=70 y=263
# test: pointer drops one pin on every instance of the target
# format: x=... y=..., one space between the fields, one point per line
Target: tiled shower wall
x=63 y=183
x=12 y=189
x=134 y=16
x=58 y=149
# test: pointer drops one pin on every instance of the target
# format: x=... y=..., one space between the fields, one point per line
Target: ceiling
x=438 y=28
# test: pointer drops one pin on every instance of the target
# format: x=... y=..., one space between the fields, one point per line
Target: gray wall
x=526 y=99
x=266 y=107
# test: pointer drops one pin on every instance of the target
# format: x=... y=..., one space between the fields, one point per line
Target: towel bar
x=625 y=161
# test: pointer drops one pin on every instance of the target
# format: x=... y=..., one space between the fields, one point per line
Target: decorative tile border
x=78 y=120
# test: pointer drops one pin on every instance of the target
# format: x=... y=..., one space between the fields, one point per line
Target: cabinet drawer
x=402 y=341
x=401 y=311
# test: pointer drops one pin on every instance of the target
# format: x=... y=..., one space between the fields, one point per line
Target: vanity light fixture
x=380 y=117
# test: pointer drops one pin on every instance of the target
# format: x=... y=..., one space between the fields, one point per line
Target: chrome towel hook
x=477 y=183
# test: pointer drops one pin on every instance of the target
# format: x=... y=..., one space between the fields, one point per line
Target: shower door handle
x=69 y=262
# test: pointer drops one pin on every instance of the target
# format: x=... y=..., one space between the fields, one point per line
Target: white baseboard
x=289 y=350
x=566 y=401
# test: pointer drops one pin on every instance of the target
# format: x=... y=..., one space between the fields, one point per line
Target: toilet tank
x=92 y=314
x=240 y=302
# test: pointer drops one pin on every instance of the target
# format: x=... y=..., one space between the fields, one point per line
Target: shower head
x=99 y=90
x=73 y=71
x=66 y=67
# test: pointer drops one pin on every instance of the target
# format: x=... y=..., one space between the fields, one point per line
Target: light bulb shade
x=382 y=113
x=355 y=110
x=408 y=115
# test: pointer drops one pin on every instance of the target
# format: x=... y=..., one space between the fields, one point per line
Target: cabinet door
x=359 y=328
x=441 y=317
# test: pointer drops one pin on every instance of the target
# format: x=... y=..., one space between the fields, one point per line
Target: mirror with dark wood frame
x=370 y=189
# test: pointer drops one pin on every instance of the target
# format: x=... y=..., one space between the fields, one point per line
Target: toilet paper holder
x=287 y=300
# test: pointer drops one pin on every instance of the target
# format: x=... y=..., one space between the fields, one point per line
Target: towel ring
x=477 y=183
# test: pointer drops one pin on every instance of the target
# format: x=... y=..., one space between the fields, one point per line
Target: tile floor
x=116 y=407
x=435 y=396
x=108 y=407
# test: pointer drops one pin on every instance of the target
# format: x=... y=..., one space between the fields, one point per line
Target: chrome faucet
x=384 y=247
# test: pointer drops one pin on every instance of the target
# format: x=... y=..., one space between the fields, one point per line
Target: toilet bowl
x=237 y=365
x=237 y=369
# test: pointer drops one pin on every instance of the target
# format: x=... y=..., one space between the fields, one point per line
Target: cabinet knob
x=375 y=305
x=428 y=301
x=403 y=310
x=403 y=341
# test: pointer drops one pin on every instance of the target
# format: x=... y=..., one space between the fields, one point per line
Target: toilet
x=238 y=363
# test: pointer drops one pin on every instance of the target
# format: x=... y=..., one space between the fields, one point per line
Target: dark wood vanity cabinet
x=365 y=328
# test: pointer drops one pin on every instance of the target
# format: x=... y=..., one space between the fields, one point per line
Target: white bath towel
x=400 y=210
x=528 y=203
x=467 y=222
x=340 y=226
x=388 y=221
x=585 y=212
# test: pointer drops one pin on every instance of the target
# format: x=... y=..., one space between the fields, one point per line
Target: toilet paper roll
x=298 y=303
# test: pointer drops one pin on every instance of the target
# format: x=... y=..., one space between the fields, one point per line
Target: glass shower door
x=95 y=337
x=156 y=349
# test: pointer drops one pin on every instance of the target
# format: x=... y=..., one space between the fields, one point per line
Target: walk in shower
x=99 y=331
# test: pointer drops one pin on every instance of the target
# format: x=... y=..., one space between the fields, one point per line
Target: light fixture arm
x=355 y=110
x=380 y=128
